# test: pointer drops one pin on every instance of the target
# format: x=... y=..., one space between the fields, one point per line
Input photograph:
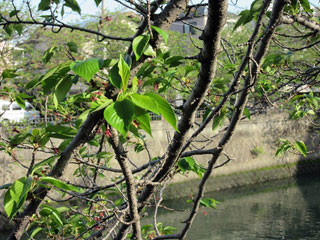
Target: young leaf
x=52 y=212
x=20 y=102
x=97 y=2
x=145 y=102
x=218 y=120
x=44 y=5
x=9 y=73
x=18 y=28
x=301 y=147
x=35 y=232
x=165 y=110
x=143 y=118
x=62 y=89
x=124 y=72
x=73 y=5
x=16 y=196
x=73 y=47
x=247 y=113
x=86 y=69
x=162 y=33
x=53 y=76
x=209 y=202
x=59 y=184
x=246 y=17
x=115 y=77
x=120 y=115
x=8 y=29
x=139 y=45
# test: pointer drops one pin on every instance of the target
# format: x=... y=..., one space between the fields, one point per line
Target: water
x=288 y=209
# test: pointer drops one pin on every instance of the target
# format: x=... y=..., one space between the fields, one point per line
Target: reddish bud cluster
x=107 y=133
x=15 y=130
x=156 y=86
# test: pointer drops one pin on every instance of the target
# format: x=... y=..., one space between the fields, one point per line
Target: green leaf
x=73 y=47
x=120 y=115
x=115 y=77
x=135 y=84
x=59 y=184
x=256 y=6
x=9 y=29
x=86 y=69
x=13 y=13
x=18 y=28
x=246 y=17
x=51 y=212
x=44 y=5
x=165 y=110
x=19 y=138
x=162 y=33
x=97 y=2
x=306 y=5
x=209 y=202
x=20 y=102
x=150 y=52
x=143 y=118
x=103 y=105
x=219 y=119
x=174 y=61
x=35 y=232
x=9 y=73
x=247 y=113
x=109 y=62
x=145 y=102
x=186 y=164
x=53 y=76
x=16 y=196
x=62 y=89
x=73 y=5
x=47 y=161
x=139 y=45
x=124 y=72
x=301 y=147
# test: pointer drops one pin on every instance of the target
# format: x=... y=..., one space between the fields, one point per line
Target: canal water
x=287 y=209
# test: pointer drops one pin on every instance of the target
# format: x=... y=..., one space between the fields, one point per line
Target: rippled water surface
x=288 y=209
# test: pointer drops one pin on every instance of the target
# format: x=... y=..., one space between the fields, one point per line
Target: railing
x=57 y=120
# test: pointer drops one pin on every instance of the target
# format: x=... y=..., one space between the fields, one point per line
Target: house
x=195 y=21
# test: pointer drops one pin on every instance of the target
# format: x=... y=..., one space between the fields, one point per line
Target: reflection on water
x=286 y=209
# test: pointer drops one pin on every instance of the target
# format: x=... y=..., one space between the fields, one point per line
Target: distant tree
x=231 y=74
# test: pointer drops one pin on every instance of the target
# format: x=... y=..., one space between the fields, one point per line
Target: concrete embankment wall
x=252 y=152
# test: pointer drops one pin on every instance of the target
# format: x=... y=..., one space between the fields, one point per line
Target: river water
x=287 y=209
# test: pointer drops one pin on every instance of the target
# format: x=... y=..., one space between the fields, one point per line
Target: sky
x=88 y=7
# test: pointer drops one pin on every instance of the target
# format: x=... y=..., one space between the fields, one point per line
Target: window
x=16 y=107
x=29 y=107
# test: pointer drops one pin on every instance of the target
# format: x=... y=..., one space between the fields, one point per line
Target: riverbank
x=249 y=178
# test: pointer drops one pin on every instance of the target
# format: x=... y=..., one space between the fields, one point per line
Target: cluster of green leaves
x=148 y=231
x=305 y=104
x=286 y=145
x=18 y=191
x=189 y=164
x=295 y=7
